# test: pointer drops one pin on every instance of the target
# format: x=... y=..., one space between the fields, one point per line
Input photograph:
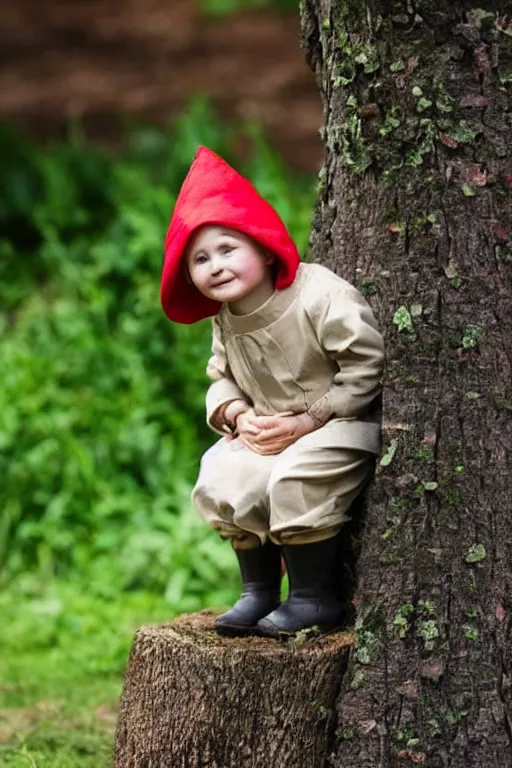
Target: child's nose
x=217 y=265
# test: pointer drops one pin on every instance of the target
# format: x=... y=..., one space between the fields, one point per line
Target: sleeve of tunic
x=223 y=388
x=347 y=331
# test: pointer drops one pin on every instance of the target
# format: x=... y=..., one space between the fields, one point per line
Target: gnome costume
x=312 y=347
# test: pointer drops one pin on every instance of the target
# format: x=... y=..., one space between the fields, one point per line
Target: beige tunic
x=312 y=347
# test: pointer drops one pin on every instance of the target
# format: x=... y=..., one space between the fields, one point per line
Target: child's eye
x=226 y=249
x=201 y=259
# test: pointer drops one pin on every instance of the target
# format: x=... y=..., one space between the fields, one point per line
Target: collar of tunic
x=265 y=315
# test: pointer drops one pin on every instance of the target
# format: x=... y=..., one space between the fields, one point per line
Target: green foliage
x=225 y=7
x=101 y=425
x=63 y=656
x=101 y=397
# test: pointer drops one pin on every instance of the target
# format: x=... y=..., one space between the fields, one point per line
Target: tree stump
x=191 y=698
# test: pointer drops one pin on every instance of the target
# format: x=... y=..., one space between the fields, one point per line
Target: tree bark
x=193 y=699
x=415 y=207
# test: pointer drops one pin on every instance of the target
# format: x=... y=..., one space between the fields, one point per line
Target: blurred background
x=102 y=61
x=102 y=107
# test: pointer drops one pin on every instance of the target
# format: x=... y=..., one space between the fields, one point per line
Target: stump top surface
x=197 y=629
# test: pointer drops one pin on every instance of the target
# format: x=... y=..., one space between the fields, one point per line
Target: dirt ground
x=100 y=60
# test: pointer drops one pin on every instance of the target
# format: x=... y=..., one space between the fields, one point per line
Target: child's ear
x=269 y=258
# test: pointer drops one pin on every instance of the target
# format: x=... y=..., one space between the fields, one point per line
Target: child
x=295 y=370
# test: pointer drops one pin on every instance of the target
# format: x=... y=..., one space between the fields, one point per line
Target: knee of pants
x=276 y=485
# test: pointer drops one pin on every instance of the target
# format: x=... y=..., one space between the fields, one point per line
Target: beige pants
x=297 y=496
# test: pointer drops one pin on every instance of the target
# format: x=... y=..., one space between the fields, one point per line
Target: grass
x=63 y=654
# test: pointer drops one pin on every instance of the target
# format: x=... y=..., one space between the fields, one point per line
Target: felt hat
x=214 y=193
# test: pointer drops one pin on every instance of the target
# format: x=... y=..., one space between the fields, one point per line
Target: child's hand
x=231 y=412
x=246 y=423
x=275 y=433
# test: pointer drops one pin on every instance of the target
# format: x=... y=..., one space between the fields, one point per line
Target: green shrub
x=225 y=7
x=101 y=398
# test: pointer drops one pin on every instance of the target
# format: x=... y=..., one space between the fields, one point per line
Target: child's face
x=227 y=266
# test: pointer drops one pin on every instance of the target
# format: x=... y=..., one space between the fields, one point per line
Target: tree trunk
x=415 y=207
x=193 y=699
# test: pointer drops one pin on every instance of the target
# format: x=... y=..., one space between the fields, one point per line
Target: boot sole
x=235 y=630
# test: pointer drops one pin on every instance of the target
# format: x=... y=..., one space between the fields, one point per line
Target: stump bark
x=191 y=698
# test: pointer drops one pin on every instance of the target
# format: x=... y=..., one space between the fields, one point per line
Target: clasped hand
x=268 y=435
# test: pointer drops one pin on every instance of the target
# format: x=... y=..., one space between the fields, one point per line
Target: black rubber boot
x=313 y=600
x=260 y=569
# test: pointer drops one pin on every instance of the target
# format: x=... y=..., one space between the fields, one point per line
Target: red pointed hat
x=214 y=193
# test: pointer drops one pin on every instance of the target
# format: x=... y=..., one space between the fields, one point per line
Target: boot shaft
x=261 y=565
x=312 y=567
